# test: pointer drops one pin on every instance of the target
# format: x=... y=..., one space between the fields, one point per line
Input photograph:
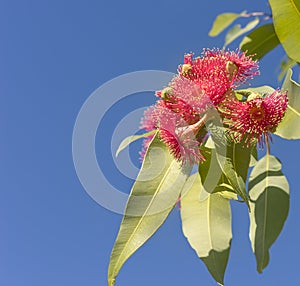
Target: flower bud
x=185 y=69
x=166 y=93
x=231 y=69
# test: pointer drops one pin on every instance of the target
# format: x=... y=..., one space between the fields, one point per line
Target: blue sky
x=54 y=54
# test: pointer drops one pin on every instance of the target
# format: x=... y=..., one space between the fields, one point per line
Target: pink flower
x=171 y=100
x=185 y=90
x=238 y=65
x=202 y=82
x=175 y=132
x=182 y=145
x=253 y=119
x=159 y=116
x=217 y=71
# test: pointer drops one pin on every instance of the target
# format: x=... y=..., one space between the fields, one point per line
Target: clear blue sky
x=53 y=55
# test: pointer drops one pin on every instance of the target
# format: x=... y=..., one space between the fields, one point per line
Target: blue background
x=53 y=55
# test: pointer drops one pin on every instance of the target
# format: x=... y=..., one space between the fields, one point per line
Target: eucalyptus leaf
x=237 y=31
x=235 y=163
x=131 y=139
x=222 y=22
x=262 y=90
x=152 y=197
x=207 y=226
x=286 y=18
x=253 y=157
x=230 y=195
x=289 y=127
x=285 y=65
x=243 y=94
x=260 y=41
x=269 y=204
x=210 y=172
x=210 y=143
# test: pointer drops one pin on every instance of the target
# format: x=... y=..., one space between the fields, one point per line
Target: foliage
x=202 y=119
x=282 y=28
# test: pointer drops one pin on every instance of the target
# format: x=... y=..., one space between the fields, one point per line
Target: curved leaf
x=269 y=203
x=253 y=157
x=289 y=127
x=285 y=65
x=210 y=172
x=235 y=161
x=207 y=226
x=263 y=90
x=243 y=94
x=222 y=22
x=286 y=17
x=260 y=41
x=131 y=139
x=152 y=197
x=237 y=31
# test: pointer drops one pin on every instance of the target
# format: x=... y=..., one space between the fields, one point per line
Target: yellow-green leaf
x=289 y=127
x=131 y=139
x=260 y=41
x=207 y=226
x=210 y=172
x=222 y=22
x=152 y=197
x=286 y=17
x=237 y=30
x=285 y=65
x=234 y=162
x=269 y=204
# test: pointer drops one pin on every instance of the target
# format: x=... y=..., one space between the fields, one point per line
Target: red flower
x=173 y=101
x=253 y=119
x=239 y=66
x=175 y=132
x=183 y=148
x=185 y=90
x=217 y=71
x=202 y=82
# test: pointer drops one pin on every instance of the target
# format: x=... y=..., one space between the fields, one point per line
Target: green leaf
x=222 y=22
x=131 y=139
x=230 y=195
x=207 y=226
x=260 y=41
x=285 y=66
x=263 y=90
x=152 y=197
x=210 y=143
x=269 y=203
x=235 y=161
x=237 y=30
x=243 y=94
x=289 y=127
x=286 y=17
x=210 y=172
x=253 y=157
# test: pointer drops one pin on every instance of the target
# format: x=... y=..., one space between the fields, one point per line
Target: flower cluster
x=207 y=82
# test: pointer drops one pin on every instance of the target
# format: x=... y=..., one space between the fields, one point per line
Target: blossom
x=183 y=148
x=240 y=67
x=255 y=118
x=217 y=72
x=201 y=83
x=179 y=136
x=172 y=101
x=185 y=90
